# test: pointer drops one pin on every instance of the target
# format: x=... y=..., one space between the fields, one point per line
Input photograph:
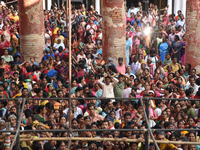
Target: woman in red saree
x=80 y=32
x=3 y=44
x=165 y=19
x=6 y=32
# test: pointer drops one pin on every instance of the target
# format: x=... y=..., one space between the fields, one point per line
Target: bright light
x=147 y=31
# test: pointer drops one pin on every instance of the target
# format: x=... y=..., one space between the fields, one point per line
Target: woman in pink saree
x=136 y=39
x=165 y=19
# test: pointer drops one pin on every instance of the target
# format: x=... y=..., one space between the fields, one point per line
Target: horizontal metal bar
x=103 y=139
x=98 y=130
x=90 y=98
x=74 y=130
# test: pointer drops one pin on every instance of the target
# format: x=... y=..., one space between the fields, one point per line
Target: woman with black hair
x=3 y=43
x=176 y=48
x=167 y=92
x=18 y=91
x=60 y=145
x=41 y=113
x=187 y=70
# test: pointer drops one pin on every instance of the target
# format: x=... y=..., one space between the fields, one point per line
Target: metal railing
x=146 y=112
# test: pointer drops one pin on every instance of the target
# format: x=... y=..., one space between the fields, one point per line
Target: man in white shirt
x=57 y=45
x=132 y=10
x=192 y=85
x=108 y=86
x=181 y=21
x=150 y=66
x=152 y=56
x=135 y=66
x=158 y=104
x=77 y=110
x=129 y=73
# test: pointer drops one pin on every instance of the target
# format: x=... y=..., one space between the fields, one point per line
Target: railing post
x=18 y=122
x=147 y=132
x=7 y=139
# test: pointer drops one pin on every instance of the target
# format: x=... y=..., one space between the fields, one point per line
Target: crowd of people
x=154 y=68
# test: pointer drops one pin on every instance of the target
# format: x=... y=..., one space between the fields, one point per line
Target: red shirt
x=5 y=94
x=80 y=73
x=33 y=76
x=65 y=56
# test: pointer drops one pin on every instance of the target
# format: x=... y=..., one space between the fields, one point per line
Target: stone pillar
x=169 y=11
x=192 y=33
x=114 y=29
x=97 y=6
x=183 y=7
x=31 y=27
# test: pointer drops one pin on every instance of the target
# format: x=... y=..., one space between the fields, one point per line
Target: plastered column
x=114 y=29
x=169 y=2
x=193 y=33
x=31 y=21
x=97 y=6
x=177 y=6
x=183 y=7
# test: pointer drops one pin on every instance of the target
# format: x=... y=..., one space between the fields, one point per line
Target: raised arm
x=92 y=67
x=115 y=81
x=125 y=76
x=74 y=60
x=100 y=81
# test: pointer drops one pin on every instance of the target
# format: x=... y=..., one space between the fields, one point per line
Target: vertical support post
x=67 y=8
x=7 y=140
x=18 y=122
x=146 y=133
x=70 y=61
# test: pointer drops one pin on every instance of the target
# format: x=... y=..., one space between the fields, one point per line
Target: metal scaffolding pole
x=68 y=4
x=18 y=123
x=146 y=126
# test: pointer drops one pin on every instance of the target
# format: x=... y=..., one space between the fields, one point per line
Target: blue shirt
x=99 y=51
x=17 y=53
x=18 y=63
x=64 y=34
x=97 y=23
x=132 y=23
x=36 y=63
x=47 y=56
x=111 y=64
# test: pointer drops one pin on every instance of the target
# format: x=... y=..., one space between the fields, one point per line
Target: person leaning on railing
x=160 y=135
